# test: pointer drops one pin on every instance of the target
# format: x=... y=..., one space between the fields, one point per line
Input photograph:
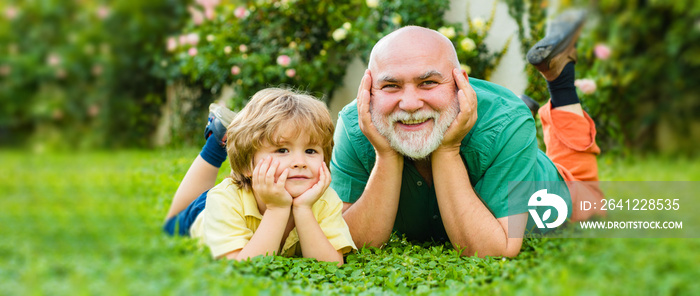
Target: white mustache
x=421 y=115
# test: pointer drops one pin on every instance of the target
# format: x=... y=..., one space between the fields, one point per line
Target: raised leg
x=201 y=176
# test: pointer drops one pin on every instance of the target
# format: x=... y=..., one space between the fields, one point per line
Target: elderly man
x=428 y=152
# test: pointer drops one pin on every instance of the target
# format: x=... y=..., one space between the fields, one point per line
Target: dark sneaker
x=532 y=104
x=219 y=119
x=557 y=48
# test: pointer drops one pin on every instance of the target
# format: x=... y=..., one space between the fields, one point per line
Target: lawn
x=90 y=224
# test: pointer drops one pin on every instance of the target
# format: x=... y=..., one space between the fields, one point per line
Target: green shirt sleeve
x=350 y=171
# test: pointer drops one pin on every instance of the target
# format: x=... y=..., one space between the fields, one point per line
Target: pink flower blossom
x=209 y=13
x=197 y=16
x=208 y=3
x=103 y=12
x=11 y=12
x=192 y=51
x=587 y=86
x=235 y=70
x=192 y=39
x=241 y=12
x=171 y=44
x=602 y=51
x=243 y=48
x=284 y=60
x=290 y=73
x=53 y=60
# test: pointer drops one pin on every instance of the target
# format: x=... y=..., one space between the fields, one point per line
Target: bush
x=306 y=44
x=644 y=57
x=94 y=74
x=637 y=64
x=78 y=73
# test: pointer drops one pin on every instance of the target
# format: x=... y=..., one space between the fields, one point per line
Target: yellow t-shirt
x=231 y=216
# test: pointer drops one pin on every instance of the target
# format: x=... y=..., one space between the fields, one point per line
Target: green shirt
x=501 y=147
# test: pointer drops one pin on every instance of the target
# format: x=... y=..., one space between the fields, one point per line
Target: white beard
x=416 y=145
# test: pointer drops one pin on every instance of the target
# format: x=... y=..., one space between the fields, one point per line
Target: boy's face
x=297 y=154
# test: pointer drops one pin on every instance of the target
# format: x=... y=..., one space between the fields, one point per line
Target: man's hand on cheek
x=379 y=142
x=272 y=193
x=467 y=116
x=310 y=196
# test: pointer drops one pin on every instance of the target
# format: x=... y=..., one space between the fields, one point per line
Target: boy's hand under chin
x=310 y=196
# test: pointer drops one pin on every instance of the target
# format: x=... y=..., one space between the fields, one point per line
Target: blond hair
x=261 y=119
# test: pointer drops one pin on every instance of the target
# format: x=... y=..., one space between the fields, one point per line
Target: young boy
x=276 y=200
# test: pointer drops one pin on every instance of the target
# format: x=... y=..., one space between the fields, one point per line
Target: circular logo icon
x=542 y=198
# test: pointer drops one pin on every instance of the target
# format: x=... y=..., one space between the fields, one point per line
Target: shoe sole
x=223 y=114
x=544 y=50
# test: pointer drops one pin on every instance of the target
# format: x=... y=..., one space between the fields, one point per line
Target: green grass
x=90 y=224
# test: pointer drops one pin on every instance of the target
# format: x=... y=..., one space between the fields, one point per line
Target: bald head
x=414 y=39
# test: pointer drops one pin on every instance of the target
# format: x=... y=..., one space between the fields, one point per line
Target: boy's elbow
x=338 y=258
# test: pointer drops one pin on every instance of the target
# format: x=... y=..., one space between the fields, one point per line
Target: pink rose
x=602 y=51
x=235 y=70
x=53 y=60
x=182 y=39
x=241 y=12
x=587 y=86
x=290 y=73
x=192 y=38
x=11 y=12
x=209 y=13
x=172 y=44
x=103 y=12
x=284 y=60
x=243 y=48
x=197 y=15
x=208 y=3
x=192 y=52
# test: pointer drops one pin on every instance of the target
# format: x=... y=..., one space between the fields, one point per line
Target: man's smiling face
x=414 y=96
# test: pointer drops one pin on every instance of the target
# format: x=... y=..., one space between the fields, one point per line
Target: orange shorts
x=570 y=142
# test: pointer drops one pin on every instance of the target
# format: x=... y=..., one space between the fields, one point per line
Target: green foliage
x=477 y=60
x=77 y=73
x=94 y=73
x=646 y=96
x=306 y=44
x=92 y=226
x=531 y=16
